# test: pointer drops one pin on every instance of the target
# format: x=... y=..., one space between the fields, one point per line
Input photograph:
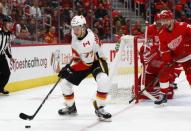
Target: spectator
x=24 y=34
x=21 y=24
x=66 y=4
x=125 y=27
x=5 y=9
x=40 y=35
x=54 y=17
x=115 y=13
x=141 y=4
x=187 y=10
x=35 y=10
x=100 y=12
x=1 y=14
x=78 y=4
x=137 y=29
x=100 y=29
x=65 y=15
x=32 y=27
x=51 y=37
x=117 y=28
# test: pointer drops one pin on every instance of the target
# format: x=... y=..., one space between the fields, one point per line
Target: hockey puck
x=27 y=126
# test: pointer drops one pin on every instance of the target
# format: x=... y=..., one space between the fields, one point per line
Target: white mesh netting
x=122 y=72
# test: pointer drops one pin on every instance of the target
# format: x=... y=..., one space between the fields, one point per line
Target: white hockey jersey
x=84 y=51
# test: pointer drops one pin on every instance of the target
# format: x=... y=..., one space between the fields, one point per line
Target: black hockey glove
x=65 y=72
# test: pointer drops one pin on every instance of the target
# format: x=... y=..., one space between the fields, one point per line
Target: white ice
x=144 y=116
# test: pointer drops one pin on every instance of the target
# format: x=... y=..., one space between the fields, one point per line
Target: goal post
x=124 y=70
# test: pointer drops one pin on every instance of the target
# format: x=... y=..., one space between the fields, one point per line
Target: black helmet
x=7 y=18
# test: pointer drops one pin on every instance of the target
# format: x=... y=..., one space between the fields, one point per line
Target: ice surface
x=176 y=116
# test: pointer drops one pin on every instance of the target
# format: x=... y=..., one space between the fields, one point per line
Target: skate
x=4 y=92
x=68 y=110
x=162 y=100
x=101 y=113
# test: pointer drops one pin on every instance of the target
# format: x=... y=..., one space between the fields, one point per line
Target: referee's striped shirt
x=5 y=43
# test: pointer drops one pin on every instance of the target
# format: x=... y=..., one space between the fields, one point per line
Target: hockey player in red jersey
x=88 y=58
x=153 y=30
x=149 y=55
x=175 y=47
x=152 y=63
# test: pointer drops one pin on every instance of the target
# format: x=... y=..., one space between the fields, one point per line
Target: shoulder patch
x=97 y=40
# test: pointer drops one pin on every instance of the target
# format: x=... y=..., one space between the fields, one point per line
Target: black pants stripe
x=4 y=72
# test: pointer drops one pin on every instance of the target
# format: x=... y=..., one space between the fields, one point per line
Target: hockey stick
x=30 y=117
x=143 y=76
x=144 y=89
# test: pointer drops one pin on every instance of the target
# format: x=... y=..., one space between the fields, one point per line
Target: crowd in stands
x=48 y=21
x=181 y=8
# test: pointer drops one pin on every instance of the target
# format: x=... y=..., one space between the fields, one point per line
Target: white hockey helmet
x=78 y=20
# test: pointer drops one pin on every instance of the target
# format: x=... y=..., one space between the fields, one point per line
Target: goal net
x=124 y=70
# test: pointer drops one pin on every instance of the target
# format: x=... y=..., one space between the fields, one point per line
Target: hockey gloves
x=65 y=72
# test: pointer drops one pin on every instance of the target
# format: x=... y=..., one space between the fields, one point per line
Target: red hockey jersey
x=176 y=45
x=153 y=33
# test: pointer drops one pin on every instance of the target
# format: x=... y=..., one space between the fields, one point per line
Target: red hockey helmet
x=166 y=14
x=167 y=20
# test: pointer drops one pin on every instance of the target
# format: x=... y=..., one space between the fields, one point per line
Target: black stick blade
x=25 y=117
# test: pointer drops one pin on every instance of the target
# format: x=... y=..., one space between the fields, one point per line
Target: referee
x=5 y=50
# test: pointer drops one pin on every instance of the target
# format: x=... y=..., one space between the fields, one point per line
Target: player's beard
x=170 y=27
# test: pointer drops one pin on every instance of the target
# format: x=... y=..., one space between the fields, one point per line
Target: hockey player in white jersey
x=88 y=58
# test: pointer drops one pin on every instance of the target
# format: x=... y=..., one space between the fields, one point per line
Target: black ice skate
x=101 y=113
x=4 y=92
x=68 y=110
x=162 y=100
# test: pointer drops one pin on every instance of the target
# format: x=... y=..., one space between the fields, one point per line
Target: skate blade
x=104 y=119
x=161 y=105
x=72 y=114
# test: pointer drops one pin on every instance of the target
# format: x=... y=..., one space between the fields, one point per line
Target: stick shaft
x=28 y=117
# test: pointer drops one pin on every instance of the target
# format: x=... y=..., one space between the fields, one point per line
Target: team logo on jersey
x=175 y=43
x=86 y=43
x=56 y=61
